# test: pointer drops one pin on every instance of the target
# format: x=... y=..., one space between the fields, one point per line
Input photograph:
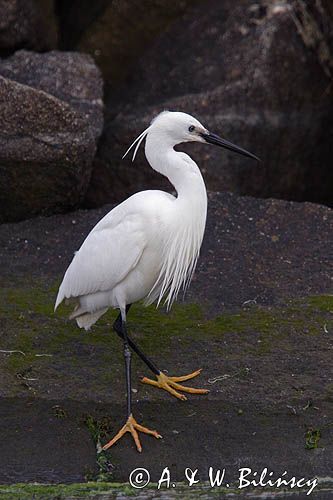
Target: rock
x=256 y=73
x=257 y=319
x=110 y=30
x=27 y=24
x=269 y=249
x=52 y=116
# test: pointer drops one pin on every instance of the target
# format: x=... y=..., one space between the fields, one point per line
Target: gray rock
x=110 y=31
x=27 y=24
x=248 y=321
x=258 y=74
x=51 y=115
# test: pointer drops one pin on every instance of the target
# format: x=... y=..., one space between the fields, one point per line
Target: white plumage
x=146 y=247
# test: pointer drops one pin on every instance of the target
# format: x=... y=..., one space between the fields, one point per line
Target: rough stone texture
x=115 y=32
x=258 y=334
x=52 y=116
x=29 y=24
x=253 y=248
x=258 y=74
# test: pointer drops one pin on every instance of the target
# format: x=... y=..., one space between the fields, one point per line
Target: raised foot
x=170 y=384
x=132 y=426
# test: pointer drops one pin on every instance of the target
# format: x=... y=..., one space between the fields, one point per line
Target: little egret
x=146 y=248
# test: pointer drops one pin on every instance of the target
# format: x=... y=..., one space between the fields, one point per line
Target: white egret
x=146 y=248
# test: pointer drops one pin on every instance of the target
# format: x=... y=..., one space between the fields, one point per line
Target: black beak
x=218 y=141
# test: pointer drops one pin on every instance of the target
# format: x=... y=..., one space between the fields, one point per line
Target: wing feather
x=110 y=251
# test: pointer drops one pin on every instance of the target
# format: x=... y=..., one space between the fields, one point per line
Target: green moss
x=113 y=491
x=31 y=326
x=96 y=489
x=312 y=438
x=98 y=430
x=321 y=302
x=63 y=491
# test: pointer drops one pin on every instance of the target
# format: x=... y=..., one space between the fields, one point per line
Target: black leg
x=118 y=328
x=131 y=424
x=127 y=357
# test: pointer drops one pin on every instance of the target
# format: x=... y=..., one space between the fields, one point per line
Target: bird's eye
x=191 y=128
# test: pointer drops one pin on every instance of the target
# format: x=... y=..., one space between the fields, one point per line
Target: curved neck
x=179 y=168
x=186 y=218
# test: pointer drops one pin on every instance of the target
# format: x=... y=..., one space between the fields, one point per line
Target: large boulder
x=30 y=24
x=115 y=33
x=257 y=319
x=257 y=73
x=51 y=117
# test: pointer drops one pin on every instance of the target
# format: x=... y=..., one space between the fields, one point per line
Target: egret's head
x=175 y=127
x=179 y=127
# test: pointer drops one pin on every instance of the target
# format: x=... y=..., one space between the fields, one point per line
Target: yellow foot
x=132 y=426
x=170 y=384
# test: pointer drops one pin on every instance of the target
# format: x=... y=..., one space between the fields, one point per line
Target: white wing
x=110 y=251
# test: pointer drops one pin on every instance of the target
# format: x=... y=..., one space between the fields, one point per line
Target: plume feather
x=137 y=142
x=179 y=259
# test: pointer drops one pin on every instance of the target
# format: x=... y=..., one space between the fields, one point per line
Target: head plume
x=137 y=142
x=140 y=138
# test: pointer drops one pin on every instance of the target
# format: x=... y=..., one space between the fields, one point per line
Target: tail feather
x=83 y=318
x=86 y=320
x=59 y=299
